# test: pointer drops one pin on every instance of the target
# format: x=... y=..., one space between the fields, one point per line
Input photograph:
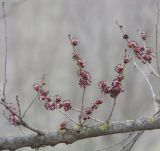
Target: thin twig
x=110 y=115
x=78 y=110
x=6 y=53
x=18 y=105
x=91 y=117
x=30 y=105
x=157 y=23
x=82 y=106
x=149 y=84
x=69 y=37
x=69 y=117
x=97 y=120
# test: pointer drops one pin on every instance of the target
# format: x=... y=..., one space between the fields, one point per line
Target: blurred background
x=38 y=44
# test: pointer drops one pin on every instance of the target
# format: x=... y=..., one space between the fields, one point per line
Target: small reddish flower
x=88 y=111
x=50 y=105
x=58 y=98
x=127 y=59
x=103 y=87
x=74 y=41
x=114 y=91
x=59 y=105
x=125 y=36
x=37 y=87
x=116 y=83
x=67 y=105
x=44 y=92
x=120 y=78
x=98 y=101
x=76 y=56
x=132 y=44
x=119 y=68
x=14 y=120
x=85 y=79
x=81 y=63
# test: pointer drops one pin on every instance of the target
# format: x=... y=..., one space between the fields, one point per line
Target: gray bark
x=72 y=135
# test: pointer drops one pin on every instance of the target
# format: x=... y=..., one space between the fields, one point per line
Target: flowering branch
x=16 y=120
x=142 y=53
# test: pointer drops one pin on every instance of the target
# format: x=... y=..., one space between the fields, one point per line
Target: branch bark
x=72 y=135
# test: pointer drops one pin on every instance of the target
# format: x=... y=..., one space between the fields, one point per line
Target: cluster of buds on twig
x=51 y=104
x=143 y=53
x=116 y=87
x=12 y=114
x=89 y=110
x=84 y=76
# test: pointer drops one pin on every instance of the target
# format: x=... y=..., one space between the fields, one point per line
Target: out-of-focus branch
x=157 y=24
x=6 y=52
x=13 y=7
x=117 y=144
x=149 y=84
x=72 y=135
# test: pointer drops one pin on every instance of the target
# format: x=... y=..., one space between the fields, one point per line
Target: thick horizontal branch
x=70 y=136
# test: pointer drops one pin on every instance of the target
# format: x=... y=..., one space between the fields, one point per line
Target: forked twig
x=67 y=115
x=91 y=117
x=30 y=105
x=22 y=122
x=149 y=84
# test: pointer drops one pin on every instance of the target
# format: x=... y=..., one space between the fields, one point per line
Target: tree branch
x=72 y=135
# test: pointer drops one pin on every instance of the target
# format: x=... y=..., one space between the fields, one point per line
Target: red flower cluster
x=142 y=53
x=85 y=78
x=114 y=89
x=88 y=111
x=12 y=117
x=116 y=86
x=80 y=62
x=51 y=104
